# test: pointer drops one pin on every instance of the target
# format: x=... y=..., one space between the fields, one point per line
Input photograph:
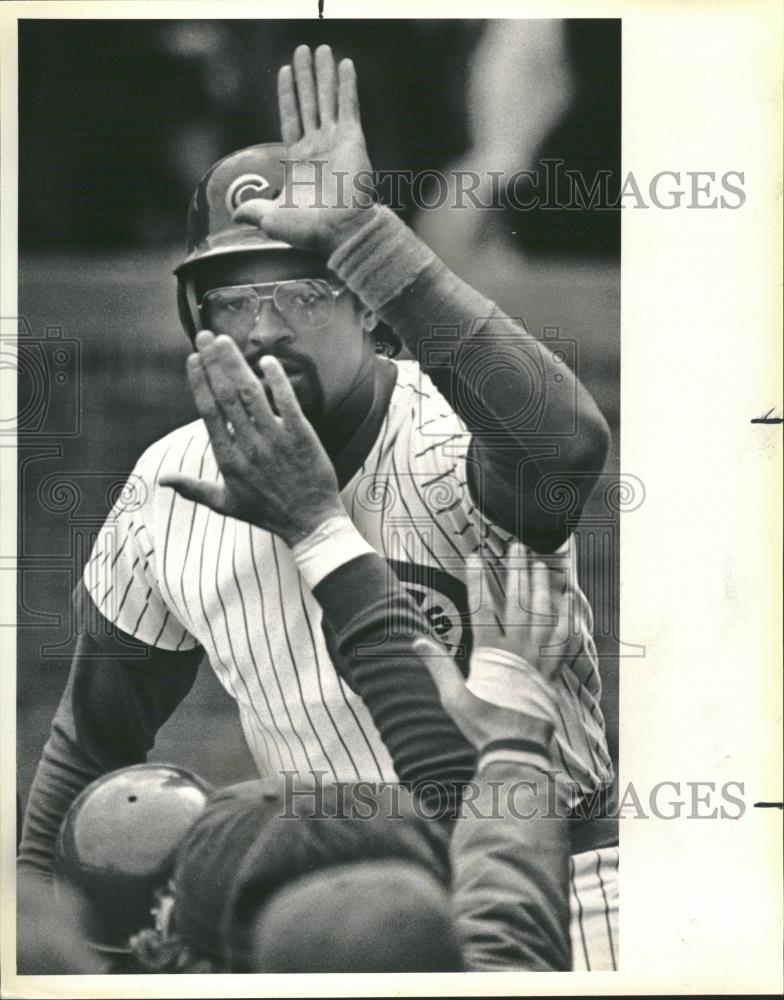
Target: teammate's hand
x=482 y=722
x=276 y=474
x=321 y=129
x=523 y=603
x=519 y=649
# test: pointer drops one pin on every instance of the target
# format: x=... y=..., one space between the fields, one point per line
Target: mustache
x=292 y=361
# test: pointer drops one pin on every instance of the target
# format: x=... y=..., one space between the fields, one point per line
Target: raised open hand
x=327 y=165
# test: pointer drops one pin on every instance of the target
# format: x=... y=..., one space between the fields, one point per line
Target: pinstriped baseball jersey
x=593 y=898
x=177 y=575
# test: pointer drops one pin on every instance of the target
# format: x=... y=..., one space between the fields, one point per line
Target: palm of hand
x=327 y=156
x=533 y=617
x=327 y=162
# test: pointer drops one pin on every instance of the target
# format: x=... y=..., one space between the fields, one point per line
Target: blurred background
x=117 y=122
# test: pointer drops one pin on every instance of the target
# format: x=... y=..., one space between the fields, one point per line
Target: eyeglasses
x=305 y=304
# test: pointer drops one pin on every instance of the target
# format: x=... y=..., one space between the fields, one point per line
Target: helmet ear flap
x=187 y=306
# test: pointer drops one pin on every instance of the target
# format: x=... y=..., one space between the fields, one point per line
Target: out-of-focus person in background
x=520 y=84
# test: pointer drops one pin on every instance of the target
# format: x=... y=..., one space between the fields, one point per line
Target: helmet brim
x=238 y=239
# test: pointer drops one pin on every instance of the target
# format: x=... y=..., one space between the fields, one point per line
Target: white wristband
x=540 y=761
x=336 y=541
x=506 y=679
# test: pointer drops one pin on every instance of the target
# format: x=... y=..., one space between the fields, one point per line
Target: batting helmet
x=253 y=172
x=117 y=845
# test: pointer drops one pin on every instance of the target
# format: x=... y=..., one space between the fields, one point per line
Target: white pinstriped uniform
x=177 y=575
x=593 y=883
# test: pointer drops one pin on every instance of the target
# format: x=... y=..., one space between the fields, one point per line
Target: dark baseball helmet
x=117 y=845
x=253 y=172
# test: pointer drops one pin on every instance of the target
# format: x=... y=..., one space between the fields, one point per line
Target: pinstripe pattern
x=182 y=576
x=593 y=879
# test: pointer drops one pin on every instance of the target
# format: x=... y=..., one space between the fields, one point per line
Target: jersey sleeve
x=511 y=875
x=463 y=536
x=439 y=465
x=121 y=576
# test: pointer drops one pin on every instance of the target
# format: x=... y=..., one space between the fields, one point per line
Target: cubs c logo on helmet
x=243 y=188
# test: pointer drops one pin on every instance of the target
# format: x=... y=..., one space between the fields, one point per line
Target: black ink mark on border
x=769 y=805
x=321 y=8
x=768 y=419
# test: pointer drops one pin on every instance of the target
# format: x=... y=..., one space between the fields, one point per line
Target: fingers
x=479 y=598
x=539 y=589
x=551 y=596
x=516 y=564
x=211 y=495
x=290 y=124
x=209 y=411
x=266 y=213
x=238 y=390
x=307 y=98
x=282 y=390
x=306 y=88
x=552 y=608
x=326 y=84
x=444 y=671
x=348 y=99
x=253 y=211
x=528 y=588
x=215 y=355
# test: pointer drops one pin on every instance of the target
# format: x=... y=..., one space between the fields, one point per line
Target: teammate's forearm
x=361 y=600
x=510 y=863
x=361 y=604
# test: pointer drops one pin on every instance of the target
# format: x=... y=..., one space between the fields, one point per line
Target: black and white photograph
x=319 y=619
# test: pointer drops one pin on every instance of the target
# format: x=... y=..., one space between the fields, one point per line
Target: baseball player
x=430 y=471
x=522 y=646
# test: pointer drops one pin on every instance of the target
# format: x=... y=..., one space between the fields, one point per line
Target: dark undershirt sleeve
x=531 y=422
x=360 y=600
x=111 y=709
x=510 y=877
